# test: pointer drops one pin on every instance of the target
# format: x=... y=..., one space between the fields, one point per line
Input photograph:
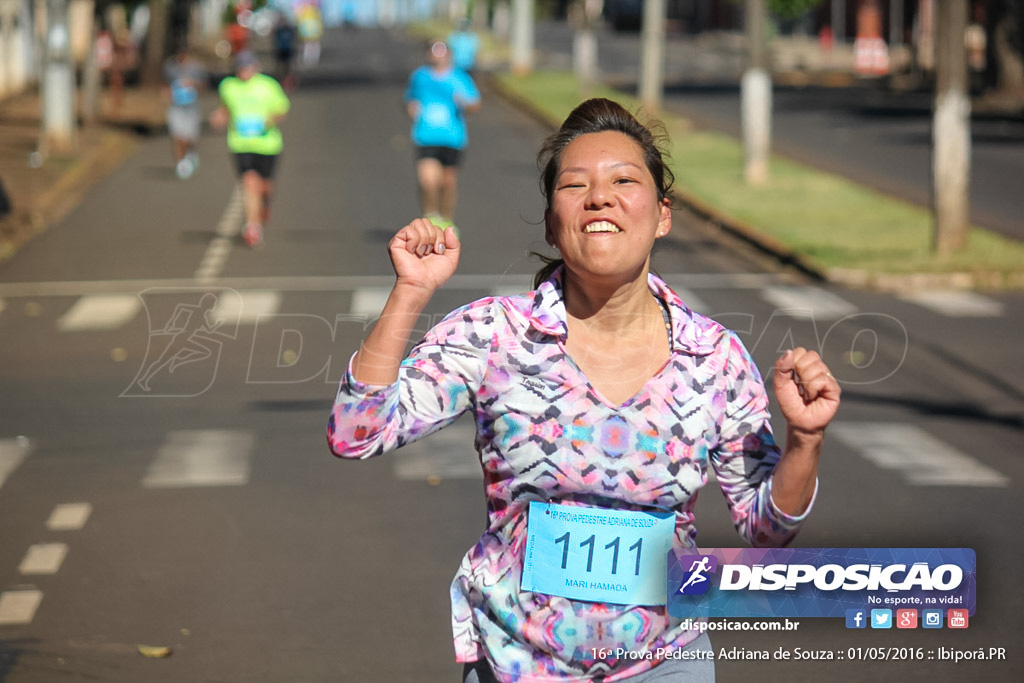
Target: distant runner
x=252 y=107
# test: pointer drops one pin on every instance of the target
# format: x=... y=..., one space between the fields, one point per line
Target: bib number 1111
x=565 y=539
x=596 y=554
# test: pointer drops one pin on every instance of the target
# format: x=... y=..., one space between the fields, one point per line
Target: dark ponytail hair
x=599 y=115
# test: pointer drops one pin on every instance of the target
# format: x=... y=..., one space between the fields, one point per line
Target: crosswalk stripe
x=69 y=516
x=808 y=303
x=447 y=454
x=43 y=558
x=205 y=457
x=247 y=307
x=920 y=458
x=99 y=312
x=956 y=303
x=12 y=453
x=369 y=301
x=19 y=607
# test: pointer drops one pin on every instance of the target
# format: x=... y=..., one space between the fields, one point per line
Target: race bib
x=250 y=126
x=183 y=95
x=598 y=555
x=436 y=115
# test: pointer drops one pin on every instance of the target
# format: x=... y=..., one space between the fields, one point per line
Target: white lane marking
x=216 y=254
x=920 y=458
x=99 y=312
x=333 y=283
x=211 y=457
x=247 y=307
x=43 y=558
x=448 y=454
x=69 y=516
x=369 y=301
x=12 y=453
x=808 y=303
x=957 y=303
x=19 y=607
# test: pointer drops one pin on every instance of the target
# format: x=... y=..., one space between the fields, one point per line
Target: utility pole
x=58 y=135
x=951 y=130
x=652 y=55
x=522 y=37
x=756 y=97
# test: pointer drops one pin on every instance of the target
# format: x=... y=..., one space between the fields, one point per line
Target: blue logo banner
x=818 y=582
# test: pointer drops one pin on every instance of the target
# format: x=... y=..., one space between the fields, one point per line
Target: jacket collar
x=692 y=333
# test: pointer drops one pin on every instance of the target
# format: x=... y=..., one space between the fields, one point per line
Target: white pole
x=58 y=84
x=652 y=55
x=522 y=37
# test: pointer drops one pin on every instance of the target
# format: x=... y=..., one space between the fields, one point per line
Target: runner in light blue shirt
x=438 y=96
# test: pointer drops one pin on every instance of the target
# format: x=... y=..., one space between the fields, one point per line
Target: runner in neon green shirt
x=252 y=107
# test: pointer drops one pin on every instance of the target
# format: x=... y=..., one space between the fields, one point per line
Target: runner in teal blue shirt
x=438 y=96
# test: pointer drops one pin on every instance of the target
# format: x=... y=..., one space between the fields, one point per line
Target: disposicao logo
x=696 y=580
x=819 y=582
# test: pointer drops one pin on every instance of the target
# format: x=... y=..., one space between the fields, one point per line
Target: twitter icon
x=881 y=618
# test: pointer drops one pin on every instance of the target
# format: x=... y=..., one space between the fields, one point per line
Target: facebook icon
x=856 y=618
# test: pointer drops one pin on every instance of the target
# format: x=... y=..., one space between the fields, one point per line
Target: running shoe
x=185 y=168
x=253 y=234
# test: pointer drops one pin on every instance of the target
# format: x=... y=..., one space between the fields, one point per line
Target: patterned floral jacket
x=544 y=434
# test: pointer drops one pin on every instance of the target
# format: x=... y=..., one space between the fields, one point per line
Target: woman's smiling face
x=605 y=213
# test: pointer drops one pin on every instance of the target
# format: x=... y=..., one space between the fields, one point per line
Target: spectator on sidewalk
x=252 y=107
x=185 y=78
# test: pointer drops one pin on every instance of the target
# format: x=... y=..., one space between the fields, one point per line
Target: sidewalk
x=42 y=191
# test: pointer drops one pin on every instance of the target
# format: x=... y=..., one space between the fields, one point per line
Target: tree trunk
x=58 y=135
x=583 y=17
x=756 y=97
x=522 y=37
x=1009 y=62
x=951 y=132
x=652 y=58
x=156 y=43
x=91 y=80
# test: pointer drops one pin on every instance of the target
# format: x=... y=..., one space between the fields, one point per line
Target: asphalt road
x=195 y=506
